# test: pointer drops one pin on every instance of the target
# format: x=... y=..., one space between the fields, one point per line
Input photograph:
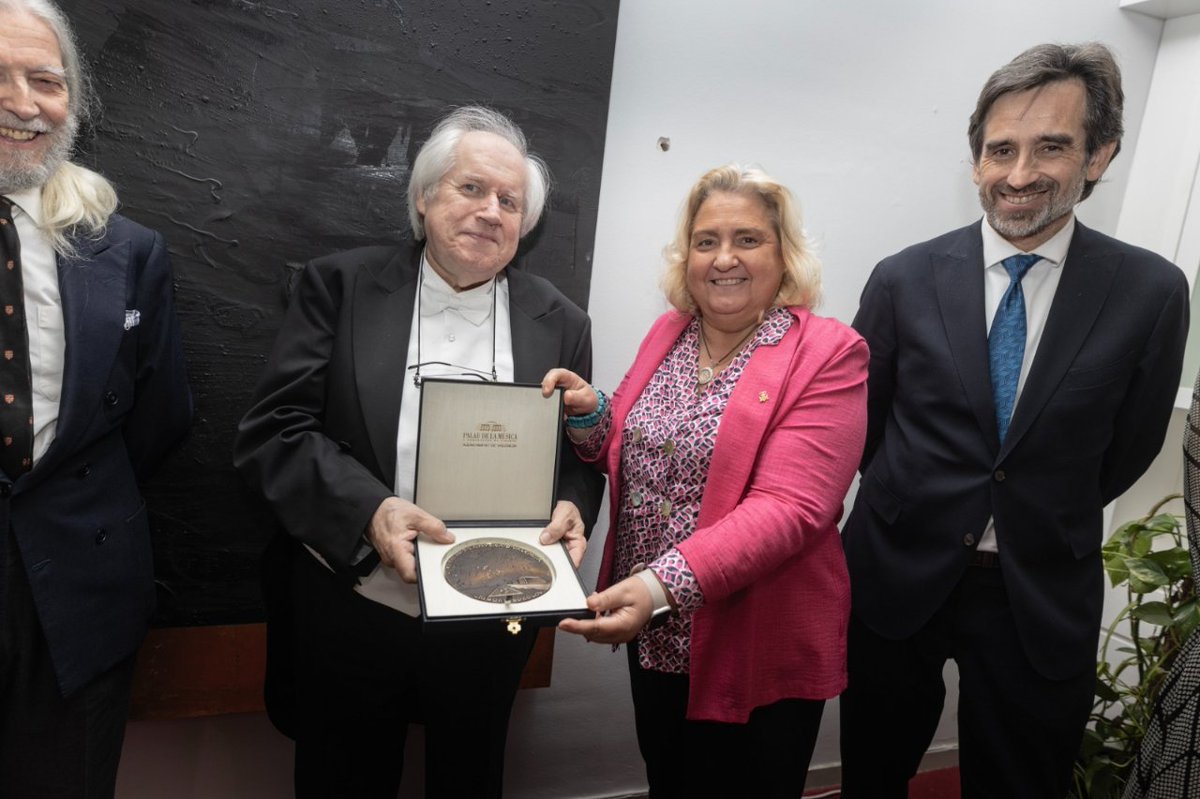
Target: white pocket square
x=132 y=319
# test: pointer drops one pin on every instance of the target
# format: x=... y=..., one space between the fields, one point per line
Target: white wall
x=861 y=108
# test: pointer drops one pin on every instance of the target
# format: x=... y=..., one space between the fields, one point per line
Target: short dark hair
x=1092 y=63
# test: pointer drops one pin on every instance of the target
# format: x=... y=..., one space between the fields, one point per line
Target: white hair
x=438 y=154
x=75 y=200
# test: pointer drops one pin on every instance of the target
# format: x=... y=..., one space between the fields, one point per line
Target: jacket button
x=968 y=540
x=101 y=536
x=999 y=476
x=84 y=470
x=6 y=490
x=635 y=499
x=110 y=398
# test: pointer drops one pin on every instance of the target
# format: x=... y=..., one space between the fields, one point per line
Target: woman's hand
x=621 y=612
x=579 y=398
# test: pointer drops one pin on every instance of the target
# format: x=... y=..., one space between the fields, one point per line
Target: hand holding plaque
x=566 y=525
x=622 y=610
x=393 y=532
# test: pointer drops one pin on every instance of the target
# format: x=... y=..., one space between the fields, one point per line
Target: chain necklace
x=706 y=374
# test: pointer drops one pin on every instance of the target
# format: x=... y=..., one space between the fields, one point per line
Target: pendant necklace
x=707 y=374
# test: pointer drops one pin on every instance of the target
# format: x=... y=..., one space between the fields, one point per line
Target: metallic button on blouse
x=635 y=435
x=635 y=499
x=668 y=447
x=665 y=509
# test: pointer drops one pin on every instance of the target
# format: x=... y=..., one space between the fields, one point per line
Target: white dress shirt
x=43 y=315
x=1039 y=285
x=457 y=328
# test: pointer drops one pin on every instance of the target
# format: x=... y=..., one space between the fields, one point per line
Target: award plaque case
x=487 y=465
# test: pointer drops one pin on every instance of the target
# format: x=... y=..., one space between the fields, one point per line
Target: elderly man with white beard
x=93 y=393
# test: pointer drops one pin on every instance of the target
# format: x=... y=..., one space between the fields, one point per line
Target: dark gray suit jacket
x=78 y=517
x=1090 y=419
x=319 y=441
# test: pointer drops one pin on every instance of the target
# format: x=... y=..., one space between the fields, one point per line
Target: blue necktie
x=1006 y=342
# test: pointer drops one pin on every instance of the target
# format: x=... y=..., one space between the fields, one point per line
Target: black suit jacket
x=319 y=440
x=1090 y=419
x=78 y=517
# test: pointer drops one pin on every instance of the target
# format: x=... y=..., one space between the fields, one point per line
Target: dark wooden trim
x=188 y=672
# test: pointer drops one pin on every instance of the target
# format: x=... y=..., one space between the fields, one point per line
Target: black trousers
x=767 y=757
x=52 y=747
x=364 y=671
x=1019 y=732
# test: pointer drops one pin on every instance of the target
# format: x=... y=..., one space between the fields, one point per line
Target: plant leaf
x=1145 y=575
x=1176 y=563
x=1154 y=613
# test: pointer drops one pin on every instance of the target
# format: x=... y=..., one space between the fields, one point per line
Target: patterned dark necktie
x=1006 y=342
x=16 y=387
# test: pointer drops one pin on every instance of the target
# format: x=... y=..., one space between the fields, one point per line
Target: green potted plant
x=1150 y=558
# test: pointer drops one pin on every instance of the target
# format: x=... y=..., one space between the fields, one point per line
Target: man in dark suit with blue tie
x=93 y=393
x=1023 y=371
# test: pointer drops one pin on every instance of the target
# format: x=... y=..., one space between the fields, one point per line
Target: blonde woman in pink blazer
x=729 y=447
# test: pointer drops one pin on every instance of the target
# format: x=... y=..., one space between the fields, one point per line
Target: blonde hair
x=76 y=201
x=801 y=284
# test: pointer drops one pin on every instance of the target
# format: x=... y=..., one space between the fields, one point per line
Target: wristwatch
x=658 y=595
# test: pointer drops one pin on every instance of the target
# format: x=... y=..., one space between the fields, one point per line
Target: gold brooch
x=762 y=396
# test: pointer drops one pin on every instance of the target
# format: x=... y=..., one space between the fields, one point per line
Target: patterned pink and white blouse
x=667 y=447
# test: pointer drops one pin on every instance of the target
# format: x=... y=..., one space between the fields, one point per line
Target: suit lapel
x=536 y=330
x=383 y=309
x=1086 y=280
x=958 y=279
x=92 y=286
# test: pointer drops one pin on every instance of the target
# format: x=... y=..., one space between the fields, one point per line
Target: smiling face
x=36 y=127
x=1034 y=161
x=473 y=220
x=735 y=263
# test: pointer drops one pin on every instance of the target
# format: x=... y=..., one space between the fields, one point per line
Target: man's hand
x=621 y=612
x=393 y=531
x=566 y=525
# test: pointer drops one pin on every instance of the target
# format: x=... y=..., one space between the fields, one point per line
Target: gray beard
x=1024 y=227
x=19 y=174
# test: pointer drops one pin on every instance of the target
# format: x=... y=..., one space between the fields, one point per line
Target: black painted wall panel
x=258 y=135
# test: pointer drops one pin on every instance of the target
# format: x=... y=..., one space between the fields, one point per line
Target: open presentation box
x=487 y=465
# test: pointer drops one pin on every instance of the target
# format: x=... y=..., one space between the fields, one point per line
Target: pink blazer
x=766 y=549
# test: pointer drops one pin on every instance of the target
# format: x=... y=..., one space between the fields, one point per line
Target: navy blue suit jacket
x=78 y=517
x=1090 y=419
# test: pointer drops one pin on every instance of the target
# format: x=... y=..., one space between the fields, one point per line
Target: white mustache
x=37 y=125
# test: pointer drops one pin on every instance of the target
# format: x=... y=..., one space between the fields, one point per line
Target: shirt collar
x=474 y=304
x=29 y=202
x=996 y=248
